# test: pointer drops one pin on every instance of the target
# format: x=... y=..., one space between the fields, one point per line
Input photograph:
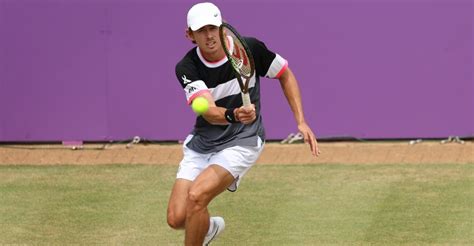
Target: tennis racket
x=240 y=57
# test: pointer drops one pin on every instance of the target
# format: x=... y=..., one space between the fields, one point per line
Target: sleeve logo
x=185 y=80
x=191 y=89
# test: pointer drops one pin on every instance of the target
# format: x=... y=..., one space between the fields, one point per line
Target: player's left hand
x=310 y=138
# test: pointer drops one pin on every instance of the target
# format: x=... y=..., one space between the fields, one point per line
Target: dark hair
x=187 y=34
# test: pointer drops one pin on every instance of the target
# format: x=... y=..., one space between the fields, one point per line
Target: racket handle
x=246 y=100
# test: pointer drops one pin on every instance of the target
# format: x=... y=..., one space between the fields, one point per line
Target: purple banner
x=104 y=70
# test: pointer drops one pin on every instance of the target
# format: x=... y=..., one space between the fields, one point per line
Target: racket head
x=238 y=53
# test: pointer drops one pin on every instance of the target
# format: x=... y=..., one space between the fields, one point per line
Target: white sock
x=211 y=226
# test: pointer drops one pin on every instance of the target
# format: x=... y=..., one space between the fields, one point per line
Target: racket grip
x=246 y=100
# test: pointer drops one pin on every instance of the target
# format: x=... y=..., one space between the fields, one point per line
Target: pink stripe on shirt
x=199 y=93
x=283 y=69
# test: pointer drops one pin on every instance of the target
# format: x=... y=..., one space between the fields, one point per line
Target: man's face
x=207 y=39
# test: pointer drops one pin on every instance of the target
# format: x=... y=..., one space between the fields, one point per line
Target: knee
x=197 y=200
x=176 y=220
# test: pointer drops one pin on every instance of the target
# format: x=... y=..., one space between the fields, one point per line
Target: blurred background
x=103 y=70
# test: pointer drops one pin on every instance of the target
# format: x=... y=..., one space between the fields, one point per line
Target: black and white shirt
x=198 y=76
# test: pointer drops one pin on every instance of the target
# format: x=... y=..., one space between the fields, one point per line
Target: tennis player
x=228 y=139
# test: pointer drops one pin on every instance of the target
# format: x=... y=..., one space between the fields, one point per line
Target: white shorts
x=237 y=160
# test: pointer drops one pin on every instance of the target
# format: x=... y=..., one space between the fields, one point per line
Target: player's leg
x=210 y=183
x=238 y=160
x=189 y=168
x=233 y=164
x=177 y=203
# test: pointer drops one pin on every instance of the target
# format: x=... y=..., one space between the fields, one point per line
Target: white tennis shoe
x=219 y=225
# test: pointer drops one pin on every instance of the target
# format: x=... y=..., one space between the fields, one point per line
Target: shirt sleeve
x=189 y=79
x=267 y=63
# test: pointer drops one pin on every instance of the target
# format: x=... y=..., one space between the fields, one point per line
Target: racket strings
x=239 y=57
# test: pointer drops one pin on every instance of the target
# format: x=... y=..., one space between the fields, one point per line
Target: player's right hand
x=246 y=115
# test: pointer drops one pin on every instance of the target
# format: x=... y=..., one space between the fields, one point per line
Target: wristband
x=230 y=116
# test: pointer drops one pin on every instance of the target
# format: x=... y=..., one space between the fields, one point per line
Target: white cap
x=203 y=14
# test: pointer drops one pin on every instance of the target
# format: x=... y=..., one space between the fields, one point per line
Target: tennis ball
x=200 y=105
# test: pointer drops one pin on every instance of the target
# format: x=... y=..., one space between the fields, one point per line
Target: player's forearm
x=215 y=115
x=292 y=93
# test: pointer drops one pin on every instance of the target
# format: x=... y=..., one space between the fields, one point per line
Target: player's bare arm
x=216 y=115
x=292 y=93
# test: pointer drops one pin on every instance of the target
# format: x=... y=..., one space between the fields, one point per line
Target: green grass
x=275 y=205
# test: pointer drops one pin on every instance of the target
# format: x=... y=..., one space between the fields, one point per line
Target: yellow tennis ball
x=200 y=105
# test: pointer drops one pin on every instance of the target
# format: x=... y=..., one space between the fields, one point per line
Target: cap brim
x=199 y=25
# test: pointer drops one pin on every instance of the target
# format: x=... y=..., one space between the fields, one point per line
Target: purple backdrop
x=104 y=70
